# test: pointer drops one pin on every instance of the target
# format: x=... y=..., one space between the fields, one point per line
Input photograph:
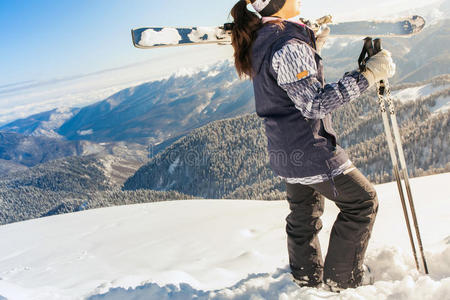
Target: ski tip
x=418 y=22
x=133 y=39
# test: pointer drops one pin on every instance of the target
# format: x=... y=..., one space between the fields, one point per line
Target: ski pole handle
x=367 y=50
x=377 y=45
x=368 y=45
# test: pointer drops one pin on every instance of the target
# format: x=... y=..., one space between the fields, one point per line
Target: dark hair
x=246 y=23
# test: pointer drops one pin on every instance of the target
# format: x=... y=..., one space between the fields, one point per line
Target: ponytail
x=246 y=23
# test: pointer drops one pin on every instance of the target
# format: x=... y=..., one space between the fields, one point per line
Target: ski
x=154 y=37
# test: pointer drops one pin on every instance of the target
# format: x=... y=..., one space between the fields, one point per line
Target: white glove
x=321 y=37
x=379 y=67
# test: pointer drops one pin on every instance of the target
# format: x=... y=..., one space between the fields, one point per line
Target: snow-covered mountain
x=151 y=112
x=23 y=99
x=432 y=12
x=30 y=150
x=229 y=159
x=224 y=159
x=417 y=58
x=42 y=124
x=156 y=111
x=71 y=184
x=209 y=249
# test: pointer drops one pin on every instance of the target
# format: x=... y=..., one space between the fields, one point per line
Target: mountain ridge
x=223 y=156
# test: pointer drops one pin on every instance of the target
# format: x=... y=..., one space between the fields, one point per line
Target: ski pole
x=400 y=150
x=368 y=49
x=401 y=154
x=396 y=171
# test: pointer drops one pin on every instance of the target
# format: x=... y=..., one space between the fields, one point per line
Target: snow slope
x=442 y=105
x=414 y=93
x=213 y=249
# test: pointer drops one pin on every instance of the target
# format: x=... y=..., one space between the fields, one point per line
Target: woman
x=281 y=56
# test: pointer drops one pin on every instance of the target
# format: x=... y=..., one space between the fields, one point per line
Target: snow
x=174 y=165
x=201 y=107
x=213 y=73
x=442 y=105
x=211 y=70
x=92 y=148
x=214 y=249
x=414 y=93
x=85 y=132
x=186 y=72
x=227 y=84
x=56 y=120
x=152 y=37
x=198 y=34
x=432 y=11
x=353 y=10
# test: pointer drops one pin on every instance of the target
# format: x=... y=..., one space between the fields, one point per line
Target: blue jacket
x=298 y=146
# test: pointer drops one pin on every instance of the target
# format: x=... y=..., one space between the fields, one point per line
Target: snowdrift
x=213 y=249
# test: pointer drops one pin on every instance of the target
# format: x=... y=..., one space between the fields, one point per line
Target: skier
x=282 y=57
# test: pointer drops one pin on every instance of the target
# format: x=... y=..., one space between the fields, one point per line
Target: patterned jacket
x=295 y=102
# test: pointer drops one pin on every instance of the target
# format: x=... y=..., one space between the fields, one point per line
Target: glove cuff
x=369 y=76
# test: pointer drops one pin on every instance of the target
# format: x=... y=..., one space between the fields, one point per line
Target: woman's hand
x=379 y=67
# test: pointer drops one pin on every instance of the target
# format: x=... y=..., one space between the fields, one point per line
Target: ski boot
x=368 y=278
x=304 y=282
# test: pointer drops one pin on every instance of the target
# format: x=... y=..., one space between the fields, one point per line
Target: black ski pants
x=357 y=200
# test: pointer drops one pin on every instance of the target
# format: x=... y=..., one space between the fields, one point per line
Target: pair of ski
x=154 y=37
x=372 y=47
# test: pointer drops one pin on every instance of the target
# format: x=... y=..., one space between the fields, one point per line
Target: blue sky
x=43 y=39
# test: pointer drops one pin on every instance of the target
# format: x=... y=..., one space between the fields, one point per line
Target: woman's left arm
x=296 y=71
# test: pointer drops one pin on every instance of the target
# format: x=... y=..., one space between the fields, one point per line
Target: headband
x=267 y=7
